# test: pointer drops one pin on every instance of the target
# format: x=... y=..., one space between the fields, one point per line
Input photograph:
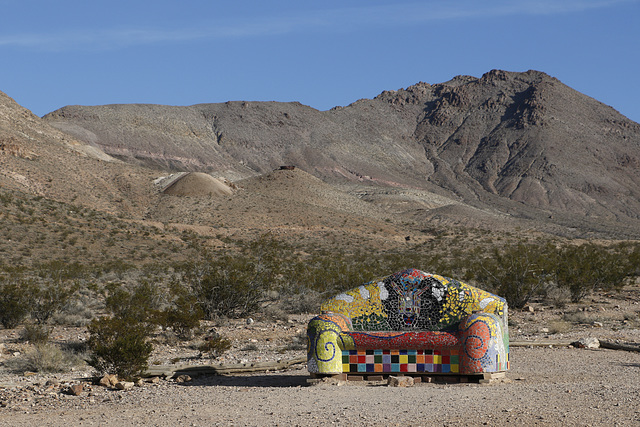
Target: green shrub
x=13 y=305
x=48 y=299
x=215 y=346
x=585 y=268
x=231 y=286
x=139 y=305
x=183 y=315
x=119 y=346
x=516 y=272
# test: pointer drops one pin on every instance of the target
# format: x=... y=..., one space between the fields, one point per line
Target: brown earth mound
x=198 y=184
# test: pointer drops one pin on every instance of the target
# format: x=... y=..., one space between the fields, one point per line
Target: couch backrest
x=413 y=300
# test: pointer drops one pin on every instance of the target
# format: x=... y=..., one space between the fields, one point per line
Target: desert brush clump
x=214 y=345
x=44 y=358
x=13 y=305
x=119 y=343
x=523 y=270
x=182 y=314
x=119 y=346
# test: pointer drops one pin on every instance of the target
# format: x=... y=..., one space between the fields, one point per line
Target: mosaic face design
x=412 y=300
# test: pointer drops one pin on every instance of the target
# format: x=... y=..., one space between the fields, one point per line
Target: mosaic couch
x=411 y=322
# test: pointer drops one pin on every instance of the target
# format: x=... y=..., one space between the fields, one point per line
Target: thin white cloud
x=332 y=20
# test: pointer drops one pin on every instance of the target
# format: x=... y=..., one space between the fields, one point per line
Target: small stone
x=400 y=381
x=529 y=308
x=109 y=380
x=140 y=382
x=75 y=389
x=183 y=379
x=597 y=324
x=587 y=343
x=153 y=380
x=249 y=321
x=545 y=330
x=125 y=385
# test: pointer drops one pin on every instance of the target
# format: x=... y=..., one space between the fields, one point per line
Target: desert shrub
x=585 y=268
x=13 y=305
x=215 y=345
x=140 y=305
x=44 y=358
x=578 y=317
x=298 y=342
x=516 y=272
x=559 y=327
x=47 y=299
x=558 y=296
x=231 y=286
x=250 y=347
x=183 y=315
x=77 y=312
x=119 y=346
x=35 y=334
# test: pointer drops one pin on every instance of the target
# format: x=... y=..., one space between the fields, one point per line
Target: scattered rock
x=125 y=385
x=75 y=389
x=586 y=343
x=249 y=321
x=183 y=379
x=597 y=324
x=400 y=381
x=109 y=380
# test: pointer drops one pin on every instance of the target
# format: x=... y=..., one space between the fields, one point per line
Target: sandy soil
x=546 y=386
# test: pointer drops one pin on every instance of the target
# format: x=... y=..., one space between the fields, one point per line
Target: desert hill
x=522 y=144
x=39 y=160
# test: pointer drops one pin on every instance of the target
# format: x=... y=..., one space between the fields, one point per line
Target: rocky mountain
x=522 y=144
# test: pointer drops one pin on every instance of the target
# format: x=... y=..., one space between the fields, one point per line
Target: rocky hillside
x=522 y=143
x=39 y=160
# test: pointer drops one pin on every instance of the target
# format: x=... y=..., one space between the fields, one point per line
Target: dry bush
x=35 y=334
x=559 y=327
x=298 y=342
x=578 y=317
x=250 y=347
x=558 y=296
x=44 y=358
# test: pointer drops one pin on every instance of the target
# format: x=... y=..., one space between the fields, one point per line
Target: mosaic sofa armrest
x=327 y=336
x=484 y=343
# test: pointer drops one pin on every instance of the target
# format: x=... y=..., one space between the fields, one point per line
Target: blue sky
x=322 y=54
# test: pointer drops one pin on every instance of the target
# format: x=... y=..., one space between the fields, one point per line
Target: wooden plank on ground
x=221 y=369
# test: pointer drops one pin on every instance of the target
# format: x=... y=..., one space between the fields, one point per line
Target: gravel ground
x=546 y=386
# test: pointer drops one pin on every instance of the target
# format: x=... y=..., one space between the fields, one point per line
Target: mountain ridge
x=505 y=139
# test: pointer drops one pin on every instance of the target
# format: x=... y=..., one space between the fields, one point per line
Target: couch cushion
x=419 y=340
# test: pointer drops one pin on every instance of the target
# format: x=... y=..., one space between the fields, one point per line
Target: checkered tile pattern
x=440 y=361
